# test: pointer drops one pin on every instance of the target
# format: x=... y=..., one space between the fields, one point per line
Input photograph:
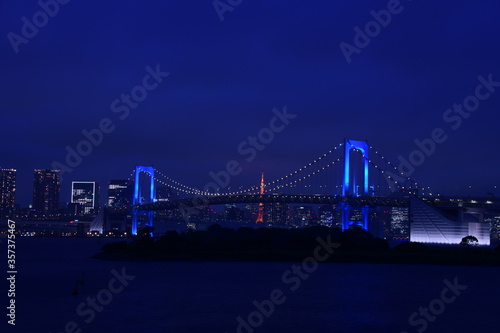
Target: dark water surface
x=210 y=296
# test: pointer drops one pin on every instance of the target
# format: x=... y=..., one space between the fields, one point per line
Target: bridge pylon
x=350 y=181
x=138 y=199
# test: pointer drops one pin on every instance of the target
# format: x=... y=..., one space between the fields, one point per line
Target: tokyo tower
x=260 y=216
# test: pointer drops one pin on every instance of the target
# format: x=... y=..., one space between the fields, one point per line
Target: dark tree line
x=274 y=244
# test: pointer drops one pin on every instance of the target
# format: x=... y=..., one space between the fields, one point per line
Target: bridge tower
x=352 y=186
x=138 y=199
x=260 y=216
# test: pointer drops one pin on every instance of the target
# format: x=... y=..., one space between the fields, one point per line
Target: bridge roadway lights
x=311 y=199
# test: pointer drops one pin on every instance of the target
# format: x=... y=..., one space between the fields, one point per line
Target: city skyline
x=188 y=112
x=401 y=171
x=115 y=187
x=250 y=165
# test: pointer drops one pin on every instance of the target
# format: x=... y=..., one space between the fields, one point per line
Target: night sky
x=225 y=78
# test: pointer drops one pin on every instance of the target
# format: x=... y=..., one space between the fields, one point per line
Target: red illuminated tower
x=260 y=216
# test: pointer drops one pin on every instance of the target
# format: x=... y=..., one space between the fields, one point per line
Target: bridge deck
x=273 y=198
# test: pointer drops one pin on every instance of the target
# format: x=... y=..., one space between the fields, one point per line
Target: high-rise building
x=327 y=215
x=233 y=213
x=277 y=213
x=7 y=192
x=494 y=220
x=400 y=223
x=46 y=191
x=119 y=193
x=303 y=216
x=84 y=195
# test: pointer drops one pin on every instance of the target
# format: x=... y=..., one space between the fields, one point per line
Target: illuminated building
x=7 y=192
x=276 y=213
x=303 y=216
x=233 y=213
x=327 y=215
x=399 y=223
x=46 y=191
x=84 y=195
x=494 y=222
x=119 y=193
x=429 y=226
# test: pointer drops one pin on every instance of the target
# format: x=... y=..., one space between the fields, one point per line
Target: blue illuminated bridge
x=353 y=176
x=274 y=198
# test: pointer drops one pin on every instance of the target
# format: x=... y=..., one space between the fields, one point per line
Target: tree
x=469 y=240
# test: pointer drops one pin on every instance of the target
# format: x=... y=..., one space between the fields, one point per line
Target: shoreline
x=344 y=258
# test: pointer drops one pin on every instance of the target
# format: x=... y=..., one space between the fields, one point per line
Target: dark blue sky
x=227 y=76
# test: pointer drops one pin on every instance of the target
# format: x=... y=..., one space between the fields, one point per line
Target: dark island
x=278 y=245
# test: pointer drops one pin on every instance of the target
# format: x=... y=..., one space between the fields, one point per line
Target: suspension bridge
x=353 y=175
